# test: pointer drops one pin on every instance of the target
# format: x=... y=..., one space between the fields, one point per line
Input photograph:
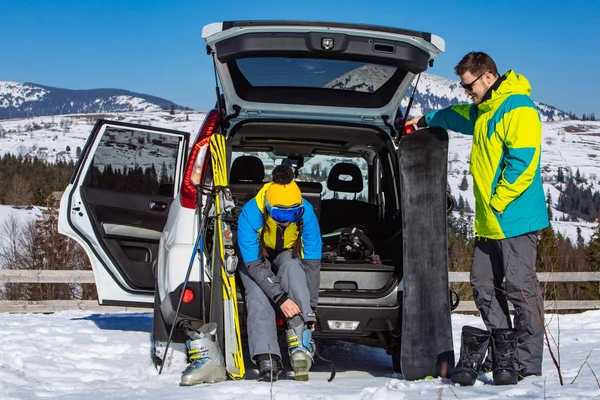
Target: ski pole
x=185 y=283
x=197 y=248
x=201 y=221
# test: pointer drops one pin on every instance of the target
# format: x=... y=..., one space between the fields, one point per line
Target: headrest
x=310 y=187
x=247 y=169
x=345 y=171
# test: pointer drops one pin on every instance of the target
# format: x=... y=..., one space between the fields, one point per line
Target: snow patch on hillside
x=14 y=94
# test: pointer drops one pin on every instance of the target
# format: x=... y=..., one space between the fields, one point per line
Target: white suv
x=323 y=97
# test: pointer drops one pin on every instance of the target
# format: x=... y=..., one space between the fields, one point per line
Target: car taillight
x=195 y=169
x=188 y=295
x=408 y=129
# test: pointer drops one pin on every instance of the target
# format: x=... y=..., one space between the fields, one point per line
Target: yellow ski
x=226 y=258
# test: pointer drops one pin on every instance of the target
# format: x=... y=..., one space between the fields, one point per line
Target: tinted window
x=315 y=73
x=135 y=161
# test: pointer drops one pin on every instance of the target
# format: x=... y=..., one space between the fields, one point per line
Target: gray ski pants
x=512 y=259
x=262 y=331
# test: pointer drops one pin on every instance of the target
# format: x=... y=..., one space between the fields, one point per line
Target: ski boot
x=204 y=355
x=301 y=347
x=504 y=343
x=270 y=368
x=474 y=344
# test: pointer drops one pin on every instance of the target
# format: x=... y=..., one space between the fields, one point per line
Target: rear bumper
x=372 y=315
x=370 y=319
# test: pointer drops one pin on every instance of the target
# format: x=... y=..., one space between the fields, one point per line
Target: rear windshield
x=315 y=73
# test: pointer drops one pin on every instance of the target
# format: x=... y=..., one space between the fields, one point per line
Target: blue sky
x=155 y=47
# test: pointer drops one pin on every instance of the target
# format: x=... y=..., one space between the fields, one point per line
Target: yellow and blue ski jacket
x=250 y=226
x=505 y=158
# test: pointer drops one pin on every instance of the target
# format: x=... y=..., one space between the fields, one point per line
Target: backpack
x=354 y=243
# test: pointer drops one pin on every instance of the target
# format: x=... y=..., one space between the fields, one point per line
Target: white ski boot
x=301 y=347
x=206 y=360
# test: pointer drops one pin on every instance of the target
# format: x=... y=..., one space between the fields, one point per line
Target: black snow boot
x=488 y=363
x=270 y=368
x=504 y=343
x=473 y=346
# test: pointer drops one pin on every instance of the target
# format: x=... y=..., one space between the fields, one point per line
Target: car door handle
x=157 y=206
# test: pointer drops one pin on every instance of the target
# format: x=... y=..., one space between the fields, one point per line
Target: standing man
x=280 y=244
x=510 y=208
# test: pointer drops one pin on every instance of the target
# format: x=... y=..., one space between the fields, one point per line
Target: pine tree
x=172 y=112
x=548 y=259
x=560 y=176
x=468 y=207
x=461 y=203
x=464 y=184
x=580 y=240
x=549 y=203
x=593 y=249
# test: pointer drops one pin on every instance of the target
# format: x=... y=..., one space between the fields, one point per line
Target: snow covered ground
x=83 y=355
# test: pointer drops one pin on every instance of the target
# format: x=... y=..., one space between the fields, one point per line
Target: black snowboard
x=427 y=347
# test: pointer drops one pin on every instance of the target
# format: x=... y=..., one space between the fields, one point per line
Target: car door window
x=135 y=161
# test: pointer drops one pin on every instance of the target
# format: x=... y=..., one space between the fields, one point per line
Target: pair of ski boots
x=301 y=347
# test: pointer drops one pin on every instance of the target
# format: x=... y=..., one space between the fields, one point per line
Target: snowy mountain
x=19 y=100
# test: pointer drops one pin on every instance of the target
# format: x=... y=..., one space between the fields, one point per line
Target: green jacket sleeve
x=460 y=118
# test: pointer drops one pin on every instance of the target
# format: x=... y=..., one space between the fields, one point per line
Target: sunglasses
x=284 y=214
x=469 y=86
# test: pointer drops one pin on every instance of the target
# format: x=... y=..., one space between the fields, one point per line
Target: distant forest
x=134 y=179
x=31 y=181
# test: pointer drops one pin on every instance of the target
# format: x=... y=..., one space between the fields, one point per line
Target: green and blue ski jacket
x=505 y=158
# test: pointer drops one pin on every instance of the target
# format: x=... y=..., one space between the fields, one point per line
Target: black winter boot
x=488 y=363
x=270 y=368
x=504 y=343
x=473 y=346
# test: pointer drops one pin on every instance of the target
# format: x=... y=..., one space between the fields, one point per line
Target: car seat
x=339 y=213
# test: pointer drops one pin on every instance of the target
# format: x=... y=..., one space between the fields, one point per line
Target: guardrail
x=47 y=306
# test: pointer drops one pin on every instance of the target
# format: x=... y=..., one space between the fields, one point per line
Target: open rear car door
x=117 y=202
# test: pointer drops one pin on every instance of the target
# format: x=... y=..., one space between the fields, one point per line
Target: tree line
x=584 y=117
x=37 y=245
x=30 y=181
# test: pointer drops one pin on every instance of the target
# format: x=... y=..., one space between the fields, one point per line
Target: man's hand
x=413 y=120
x=290 y=308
